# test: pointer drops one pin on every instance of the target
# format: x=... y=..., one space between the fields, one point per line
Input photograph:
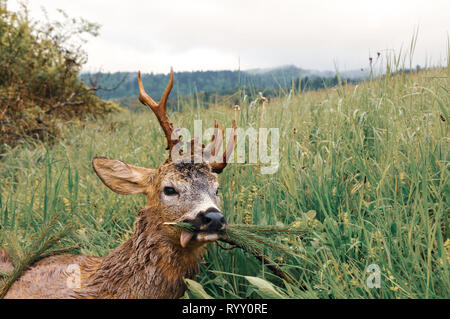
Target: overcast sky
x=215 y=35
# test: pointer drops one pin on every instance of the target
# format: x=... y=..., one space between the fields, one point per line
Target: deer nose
x=214 y=221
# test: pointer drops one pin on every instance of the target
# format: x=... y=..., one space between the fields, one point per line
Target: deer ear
x=123 y=178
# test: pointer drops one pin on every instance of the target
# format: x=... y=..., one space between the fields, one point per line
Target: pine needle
x=42 y=247
x=255 y=240
x=4 y=274
x=270 y=229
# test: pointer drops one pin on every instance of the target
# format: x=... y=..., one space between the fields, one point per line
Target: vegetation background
x=364 y=167
x=39 y=76
x=271 y=82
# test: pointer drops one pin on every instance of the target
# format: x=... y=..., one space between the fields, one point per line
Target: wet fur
x=5 y=264
x=150 y=264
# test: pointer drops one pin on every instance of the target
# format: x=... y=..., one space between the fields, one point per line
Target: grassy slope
x=371 y=160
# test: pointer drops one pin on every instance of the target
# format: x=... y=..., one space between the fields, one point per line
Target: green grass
x=366 y=172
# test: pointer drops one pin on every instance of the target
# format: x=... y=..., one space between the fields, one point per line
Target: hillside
x=124 y=84
x=40 y=88
x=364 y=168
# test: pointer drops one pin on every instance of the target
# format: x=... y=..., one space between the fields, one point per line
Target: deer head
x=176 y=190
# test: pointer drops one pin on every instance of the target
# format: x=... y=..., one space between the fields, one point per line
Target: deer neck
x=147 y=265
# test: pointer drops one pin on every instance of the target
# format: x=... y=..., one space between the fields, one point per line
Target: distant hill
x=124 y=84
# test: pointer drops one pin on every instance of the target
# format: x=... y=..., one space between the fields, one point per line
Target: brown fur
x=150 y=264
x=154 y=261
x=5 y=264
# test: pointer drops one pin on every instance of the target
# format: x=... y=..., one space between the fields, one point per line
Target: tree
x=39 y=75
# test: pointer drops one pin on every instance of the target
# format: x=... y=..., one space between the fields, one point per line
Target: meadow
x=364 y=168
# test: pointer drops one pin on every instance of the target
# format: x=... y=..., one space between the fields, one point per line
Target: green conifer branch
x=255 y=239
x=42 y=247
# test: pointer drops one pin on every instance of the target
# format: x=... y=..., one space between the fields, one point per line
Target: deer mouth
x=200 y=237
x=207 y=225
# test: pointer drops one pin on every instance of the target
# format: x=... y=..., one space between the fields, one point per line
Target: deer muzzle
x=208 y=224
x=213 y=221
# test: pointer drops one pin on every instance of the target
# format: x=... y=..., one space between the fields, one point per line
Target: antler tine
x=218 y=167
x=211 y=149
x=160 y=109
x=167 y=90
x=230 y=145
x=144 y=98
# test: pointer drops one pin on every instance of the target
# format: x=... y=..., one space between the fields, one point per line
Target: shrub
x=39 y=76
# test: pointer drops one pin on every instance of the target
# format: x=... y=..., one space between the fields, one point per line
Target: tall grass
x=364 y=167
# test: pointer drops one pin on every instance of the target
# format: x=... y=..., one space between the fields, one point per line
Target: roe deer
x=154 y=260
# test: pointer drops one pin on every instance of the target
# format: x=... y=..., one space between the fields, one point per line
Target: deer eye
x=170 y=191
x=217 y=192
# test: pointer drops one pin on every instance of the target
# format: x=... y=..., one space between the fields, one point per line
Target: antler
x=160 y=109
x=216 y=141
